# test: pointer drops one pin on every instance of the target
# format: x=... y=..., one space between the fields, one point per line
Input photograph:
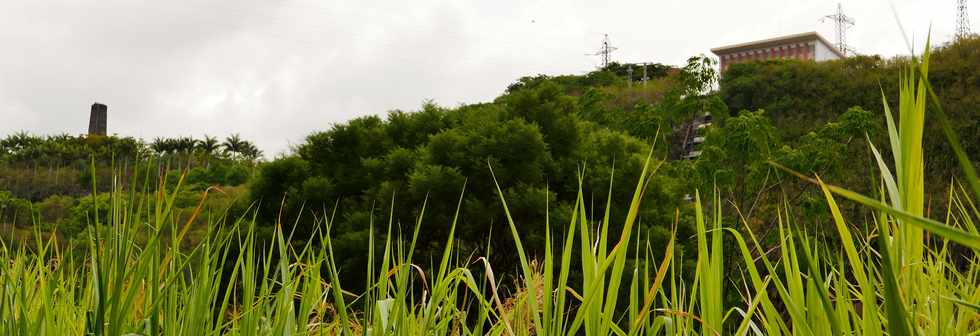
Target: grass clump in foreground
x=899 y=276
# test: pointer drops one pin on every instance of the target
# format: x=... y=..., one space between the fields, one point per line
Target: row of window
x=784 y=50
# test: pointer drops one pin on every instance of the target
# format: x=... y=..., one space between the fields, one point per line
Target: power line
x=841 y=24
x=962 y=20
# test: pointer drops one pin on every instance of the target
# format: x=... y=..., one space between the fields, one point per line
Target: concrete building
x=805 y=47
x=97 y=119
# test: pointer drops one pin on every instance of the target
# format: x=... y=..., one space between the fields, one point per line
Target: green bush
x=56 y=211
x=217 y=174
x=88 y=211
x=16 y=211
x=533 y=137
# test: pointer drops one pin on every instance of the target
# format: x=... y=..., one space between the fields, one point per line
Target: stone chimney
x=97 y=119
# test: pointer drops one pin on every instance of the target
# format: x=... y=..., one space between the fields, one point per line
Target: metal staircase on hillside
x=689 y=137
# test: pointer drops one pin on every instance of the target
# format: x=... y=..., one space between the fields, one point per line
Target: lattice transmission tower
x=606 y=49
x=962 y=20
x=841 y=24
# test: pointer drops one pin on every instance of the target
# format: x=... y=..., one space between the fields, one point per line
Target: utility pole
x=645 y=74
x=605 y=51
x=962 y=20
x=629 y=73
x=841 y=23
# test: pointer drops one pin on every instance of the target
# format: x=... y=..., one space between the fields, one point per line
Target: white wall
x=824 y=53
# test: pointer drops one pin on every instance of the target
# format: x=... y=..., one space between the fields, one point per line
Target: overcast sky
x=276 y=70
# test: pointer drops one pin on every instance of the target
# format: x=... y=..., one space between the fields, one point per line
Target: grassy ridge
x=894 y=275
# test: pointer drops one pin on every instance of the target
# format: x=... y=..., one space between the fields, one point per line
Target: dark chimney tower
x=97 y=120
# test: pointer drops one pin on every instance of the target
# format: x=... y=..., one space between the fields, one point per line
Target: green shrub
x=217 y=174
x=88 y=211
x=16 y=211
x=57 y=211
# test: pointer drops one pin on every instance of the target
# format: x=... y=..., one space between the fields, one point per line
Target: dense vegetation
x=551 y=210
x=798 y=96
x=48 y=181
x=544 y=129
x=534 y=137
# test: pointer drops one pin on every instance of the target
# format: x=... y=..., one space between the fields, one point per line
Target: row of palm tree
x=58 y=150
x=233 y=146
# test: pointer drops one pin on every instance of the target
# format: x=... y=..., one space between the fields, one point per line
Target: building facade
x=805 y=47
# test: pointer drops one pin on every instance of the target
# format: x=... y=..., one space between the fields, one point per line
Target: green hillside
x=563 y=206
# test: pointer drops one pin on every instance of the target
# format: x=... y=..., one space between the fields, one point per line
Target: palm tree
x=185 y=144
x=20 y=141
x=160 y=146
x=250 y=152
x=209 y=145
x=233 y=144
